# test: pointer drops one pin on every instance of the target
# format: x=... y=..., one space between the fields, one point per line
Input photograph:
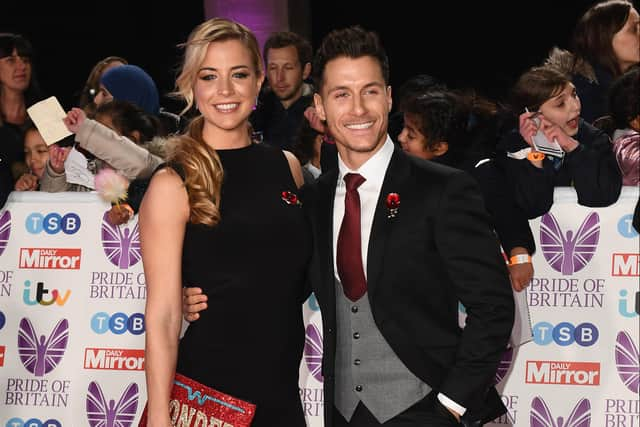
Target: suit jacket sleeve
x=470 y=251
x=509 y=220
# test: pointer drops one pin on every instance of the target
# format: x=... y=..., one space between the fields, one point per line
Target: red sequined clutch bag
x=195 y=404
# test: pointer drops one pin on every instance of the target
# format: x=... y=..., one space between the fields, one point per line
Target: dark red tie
x=349 y=250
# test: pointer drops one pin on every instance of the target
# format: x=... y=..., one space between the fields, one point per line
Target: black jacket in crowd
x=279 y=126
x=591 y=169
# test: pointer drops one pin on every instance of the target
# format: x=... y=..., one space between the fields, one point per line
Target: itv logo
x=29 y=298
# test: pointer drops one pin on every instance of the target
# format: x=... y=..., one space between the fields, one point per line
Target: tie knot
x=353 y=181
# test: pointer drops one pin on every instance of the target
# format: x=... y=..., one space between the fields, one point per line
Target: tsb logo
x=52 y=223
x=625 y=227
x=564 y=334
x=33 y=422
x=118 y=323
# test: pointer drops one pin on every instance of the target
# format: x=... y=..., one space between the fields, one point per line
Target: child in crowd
x=544 y=99
x=36 y=155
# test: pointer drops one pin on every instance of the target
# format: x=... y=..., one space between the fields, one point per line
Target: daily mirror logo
x=567 y=251
x=50 y=258
x=121 y=243
x=115 y=359
x=625 y=265
x=562 y=372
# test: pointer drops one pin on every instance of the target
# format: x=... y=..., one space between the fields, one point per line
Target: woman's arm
x=296 y=169
x=163 y=216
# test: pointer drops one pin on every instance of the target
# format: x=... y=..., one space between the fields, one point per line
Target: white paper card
x=75 y=168
x=47 y=115
x=522 y=331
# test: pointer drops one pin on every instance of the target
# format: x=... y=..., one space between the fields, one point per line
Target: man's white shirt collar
x=374 y=169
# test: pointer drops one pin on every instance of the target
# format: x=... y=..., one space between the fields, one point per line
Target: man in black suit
x=393 y=350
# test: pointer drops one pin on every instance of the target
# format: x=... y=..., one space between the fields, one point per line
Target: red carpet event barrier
x=72 y=294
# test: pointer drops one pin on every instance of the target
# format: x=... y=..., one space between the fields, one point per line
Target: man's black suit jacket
x=439 y=249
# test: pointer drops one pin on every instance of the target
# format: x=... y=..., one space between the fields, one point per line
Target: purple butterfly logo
x=40 y=355
x=313 y=351
x=627 y=361
x=5 y=230
x=541 y=415
x=503 y=366
x=121 y=243
x=111 y=414
x=567 y=252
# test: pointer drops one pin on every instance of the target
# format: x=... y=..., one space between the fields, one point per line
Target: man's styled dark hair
x=352 y=42
x=285 y=39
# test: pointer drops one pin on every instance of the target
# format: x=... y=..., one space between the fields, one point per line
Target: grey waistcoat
x=366 y=367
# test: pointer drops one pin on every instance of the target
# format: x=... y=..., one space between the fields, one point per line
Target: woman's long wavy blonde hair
x=200 y=163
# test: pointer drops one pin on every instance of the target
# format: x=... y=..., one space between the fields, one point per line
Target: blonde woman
x=224 y=216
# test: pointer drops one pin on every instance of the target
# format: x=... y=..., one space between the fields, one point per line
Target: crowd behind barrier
x=72 y=294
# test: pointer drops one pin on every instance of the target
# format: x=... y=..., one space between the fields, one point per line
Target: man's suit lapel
x=394 y=181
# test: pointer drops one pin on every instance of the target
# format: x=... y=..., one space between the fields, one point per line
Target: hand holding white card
x=47 y=115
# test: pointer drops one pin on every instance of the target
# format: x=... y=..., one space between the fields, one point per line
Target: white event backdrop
x=72 y=295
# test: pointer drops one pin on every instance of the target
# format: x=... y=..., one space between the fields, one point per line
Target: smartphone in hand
x=542 y=144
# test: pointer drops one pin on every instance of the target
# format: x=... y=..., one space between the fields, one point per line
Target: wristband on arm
x=520 y=259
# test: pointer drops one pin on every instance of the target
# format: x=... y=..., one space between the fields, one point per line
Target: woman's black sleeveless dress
x=252 y=265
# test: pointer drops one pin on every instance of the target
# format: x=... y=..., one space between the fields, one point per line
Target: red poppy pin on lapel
x=393 y=204
x=290 y=198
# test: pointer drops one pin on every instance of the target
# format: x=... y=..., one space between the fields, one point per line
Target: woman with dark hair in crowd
x=18 y=90
x=605 y=43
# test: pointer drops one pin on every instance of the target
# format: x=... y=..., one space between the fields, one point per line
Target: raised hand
x=74 y=119
x=57 y=157
x=27 y=182
x=528 y=127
